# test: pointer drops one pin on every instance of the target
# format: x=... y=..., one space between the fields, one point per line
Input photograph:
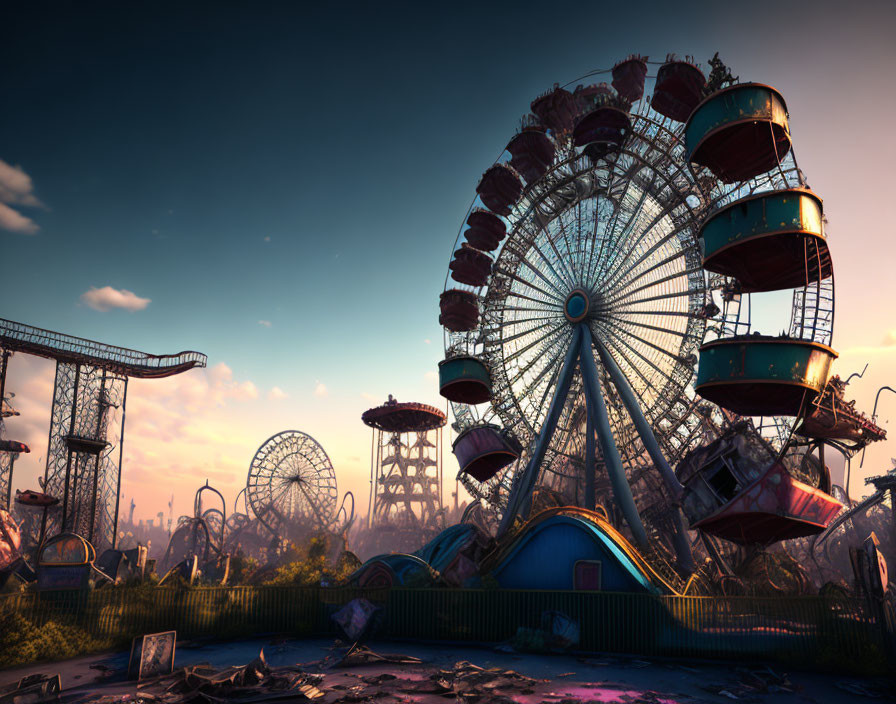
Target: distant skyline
x=279 y=186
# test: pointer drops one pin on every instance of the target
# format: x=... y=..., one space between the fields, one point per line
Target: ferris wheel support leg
x=682 y=547
x=598 y=410
x=520 y=499
x=589 y=462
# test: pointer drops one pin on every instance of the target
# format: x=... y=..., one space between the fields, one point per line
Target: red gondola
x=736 y=490
x=776 y=507
x=499 y=188
x=679 y=89
x=532 y=153
x=556 y=109
x=603 y=131
x=628 y=77
x=486 y=230
x=470 y=266
x=459 y=310
x=483 y=450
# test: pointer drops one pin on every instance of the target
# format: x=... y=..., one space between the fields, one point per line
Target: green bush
x=23 y=641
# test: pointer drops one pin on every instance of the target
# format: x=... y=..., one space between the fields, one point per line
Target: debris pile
x=465 y=682
x=752 y=682
x=255 y=682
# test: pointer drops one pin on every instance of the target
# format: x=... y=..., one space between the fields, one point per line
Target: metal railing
x=809 y=632
x=55 y=345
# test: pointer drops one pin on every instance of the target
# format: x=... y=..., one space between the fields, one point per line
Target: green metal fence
x=801 y=631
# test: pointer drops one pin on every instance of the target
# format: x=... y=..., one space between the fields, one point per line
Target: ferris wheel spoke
x=534 y=269
x=524 y=333
x=532 y=344
x=612 y=340
x=612 y=278
x=540 y=318
x=561 y=278
x=551 y=364
x=570 y=249
x=659 y=297
x=677 y=254
x=646 y=326
x=523 y=296
x=522 y=371
x=562 y=260
x=627 y=293
x=652 y=345
x=499 y=311
x=667 y=313
x=595 y=215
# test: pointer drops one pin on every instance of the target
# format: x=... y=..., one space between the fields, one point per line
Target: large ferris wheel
x=617 y=240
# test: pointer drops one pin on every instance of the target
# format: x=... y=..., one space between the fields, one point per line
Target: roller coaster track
x=18 y=337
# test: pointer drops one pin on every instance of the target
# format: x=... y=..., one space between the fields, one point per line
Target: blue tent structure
x=572 y=548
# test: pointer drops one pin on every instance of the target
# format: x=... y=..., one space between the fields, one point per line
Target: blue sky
x=309 y=166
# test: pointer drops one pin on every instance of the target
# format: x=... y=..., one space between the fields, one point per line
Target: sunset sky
x=279 y=186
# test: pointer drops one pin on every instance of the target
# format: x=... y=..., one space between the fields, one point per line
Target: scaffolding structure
x=84 y=450
x=405 y=470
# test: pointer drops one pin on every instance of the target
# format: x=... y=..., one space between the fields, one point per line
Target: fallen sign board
x=152 y=655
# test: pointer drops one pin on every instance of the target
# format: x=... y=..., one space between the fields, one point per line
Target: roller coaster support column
x=598 y=410
x=682 y=548
x=520 y=499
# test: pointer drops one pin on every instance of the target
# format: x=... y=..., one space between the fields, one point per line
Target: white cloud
x=106 y=298
x=16 y=189
x=320 y=390
x=276 y=394
x=265 y=323
x=248 y=389
x=14 y=221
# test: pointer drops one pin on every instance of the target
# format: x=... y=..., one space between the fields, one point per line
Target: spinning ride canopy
x=292 y=484
x=395 y=417
x=598 y=304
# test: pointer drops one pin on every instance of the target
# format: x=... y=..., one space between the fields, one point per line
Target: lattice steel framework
x=624 y=229
x=406 y=479
x=7 y=459
x=85 y=446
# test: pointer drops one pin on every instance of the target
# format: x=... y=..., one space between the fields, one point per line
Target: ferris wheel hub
x=577 y=306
